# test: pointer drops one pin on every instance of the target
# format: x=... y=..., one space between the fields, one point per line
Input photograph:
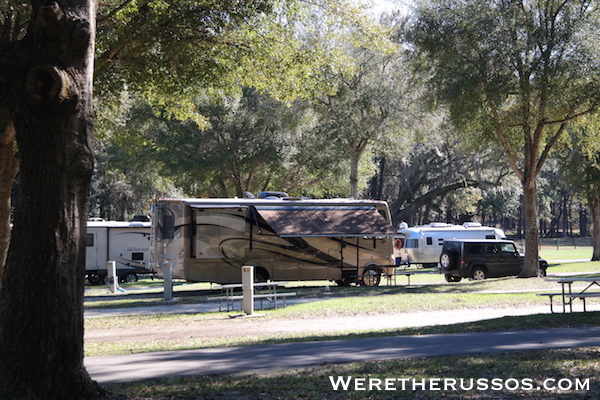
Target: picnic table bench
x=272 y=296
x=567 y=295
x=404 y=272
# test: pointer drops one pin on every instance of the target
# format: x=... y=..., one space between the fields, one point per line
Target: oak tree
x=46 y=86
x=519 y=71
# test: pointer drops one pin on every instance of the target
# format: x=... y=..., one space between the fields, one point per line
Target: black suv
x=481 y=259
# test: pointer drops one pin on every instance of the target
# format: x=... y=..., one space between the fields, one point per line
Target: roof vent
x=439 y=225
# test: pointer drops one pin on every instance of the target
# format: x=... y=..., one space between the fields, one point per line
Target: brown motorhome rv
x=209 y=240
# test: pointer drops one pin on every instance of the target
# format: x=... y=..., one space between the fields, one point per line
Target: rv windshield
x=412 y=244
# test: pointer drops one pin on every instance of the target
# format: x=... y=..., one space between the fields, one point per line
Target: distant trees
x=370 y=108
x=518 y=71
x=248 y=140
x=439 y=177
x=250 y=143
x=580 y=165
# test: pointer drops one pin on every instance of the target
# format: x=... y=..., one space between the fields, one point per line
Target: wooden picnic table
x=567 y=295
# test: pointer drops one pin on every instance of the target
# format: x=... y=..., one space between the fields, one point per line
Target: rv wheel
x=371 y=276
x=130 y=277
x=94 y=279
x=260 y=275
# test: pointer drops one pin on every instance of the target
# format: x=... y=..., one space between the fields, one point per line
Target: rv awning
x=330 y=222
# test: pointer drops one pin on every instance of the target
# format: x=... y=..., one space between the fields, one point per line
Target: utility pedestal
x=248 y=289
x=113 y=279
x=168 y=281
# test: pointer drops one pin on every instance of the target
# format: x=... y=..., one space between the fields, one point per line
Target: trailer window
x=89 y=240
x=137 y=256
x=429 y=240
x=492 y=237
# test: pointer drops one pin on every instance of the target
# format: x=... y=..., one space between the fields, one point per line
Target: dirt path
x=223 y=326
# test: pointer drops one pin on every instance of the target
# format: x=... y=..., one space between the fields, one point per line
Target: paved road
x=139 y=367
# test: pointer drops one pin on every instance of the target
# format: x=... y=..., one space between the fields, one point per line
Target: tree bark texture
x=41 y=300
x=594 y=205
x=532 y=238
x=8 y=170
x=354 y=161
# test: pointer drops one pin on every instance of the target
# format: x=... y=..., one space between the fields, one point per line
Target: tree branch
x=442 y=191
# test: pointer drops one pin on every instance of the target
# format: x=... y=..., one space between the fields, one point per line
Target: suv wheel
x=450 y=278
x=447 y=260
x=479 y=274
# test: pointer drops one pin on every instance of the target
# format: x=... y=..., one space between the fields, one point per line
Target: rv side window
x=89 y=240
x=219 y=233
x=429 y=241
x=137 y=256
x=490 y=237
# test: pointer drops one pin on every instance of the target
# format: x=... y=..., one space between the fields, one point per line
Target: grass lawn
x=580 y=253
x=521 y=373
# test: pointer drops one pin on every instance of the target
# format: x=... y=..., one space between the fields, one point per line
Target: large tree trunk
x=8 y=170
x=41 y=301
x=354 y=160
x=530 y=205
x=595 y=207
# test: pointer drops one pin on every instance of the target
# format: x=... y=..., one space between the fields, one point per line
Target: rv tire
x=260 y=275
x=130 y=277
x=371 y=276
x=94 y=279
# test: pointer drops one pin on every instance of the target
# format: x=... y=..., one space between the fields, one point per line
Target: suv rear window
x=451 y=246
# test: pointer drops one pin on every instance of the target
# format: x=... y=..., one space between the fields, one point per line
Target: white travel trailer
x=126 y=243
x=209 y=240
x=423 y=244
